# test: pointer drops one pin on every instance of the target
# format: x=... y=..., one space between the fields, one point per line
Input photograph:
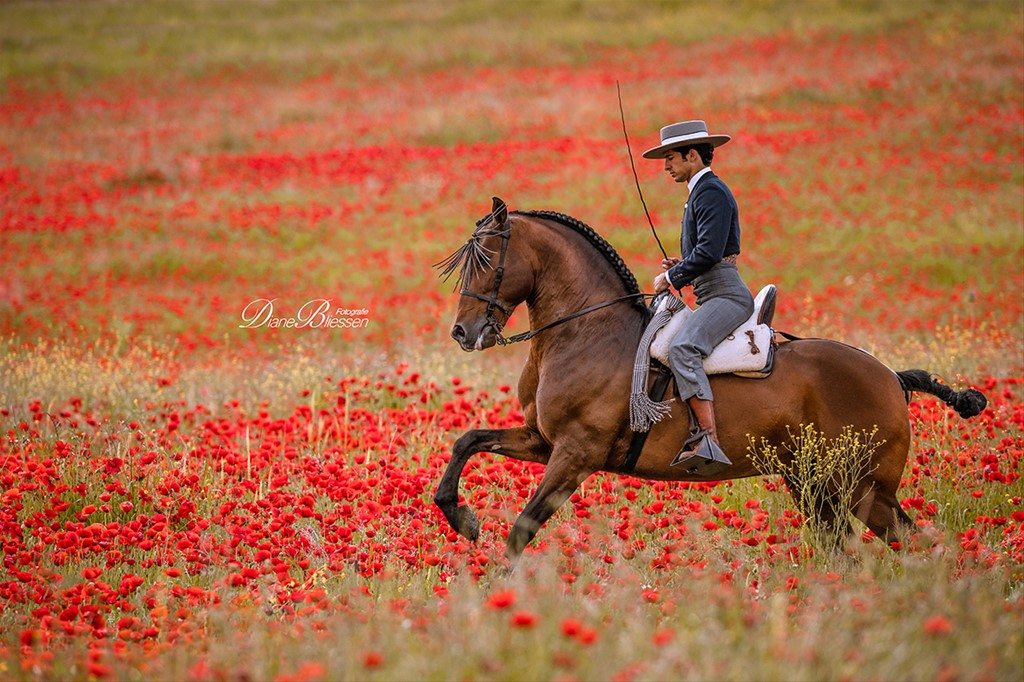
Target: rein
x=525 y=336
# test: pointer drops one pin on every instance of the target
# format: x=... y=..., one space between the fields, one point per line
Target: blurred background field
x=72 y=44
x=166 y=163
x=162 y=164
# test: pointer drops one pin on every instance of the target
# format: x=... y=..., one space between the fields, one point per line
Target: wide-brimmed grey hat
x=684 y=134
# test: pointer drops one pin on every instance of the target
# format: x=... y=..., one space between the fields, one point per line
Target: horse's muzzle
x=485 y=337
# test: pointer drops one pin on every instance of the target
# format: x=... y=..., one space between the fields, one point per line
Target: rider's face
x=680 y=167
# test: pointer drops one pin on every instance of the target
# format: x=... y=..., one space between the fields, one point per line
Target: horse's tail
x=967 y=403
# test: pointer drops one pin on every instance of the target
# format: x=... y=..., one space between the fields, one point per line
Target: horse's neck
x=572 y=276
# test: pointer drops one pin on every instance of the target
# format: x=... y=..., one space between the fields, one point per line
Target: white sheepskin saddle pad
x=747 y=349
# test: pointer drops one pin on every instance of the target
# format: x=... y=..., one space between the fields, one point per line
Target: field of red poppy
x=193 y=488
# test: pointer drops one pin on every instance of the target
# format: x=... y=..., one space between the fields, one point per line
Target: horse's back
x=825 y=384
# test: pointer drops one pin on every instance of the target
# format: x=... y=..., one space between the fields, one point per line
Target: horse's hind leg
x=522 y=443
x=879 y=509
x=833 y=519
x=826 y=509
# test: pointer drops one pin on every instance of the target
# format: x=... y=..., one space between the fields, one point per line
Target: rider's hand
x=661 y=283
x=668 y=263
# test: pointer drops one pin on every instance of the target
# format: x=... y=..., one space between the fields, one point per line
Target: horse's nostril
x=458 y=333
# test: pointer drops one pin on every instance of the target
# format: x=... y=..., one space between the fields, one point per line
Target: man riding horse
x=709 y=245
x=585 y=306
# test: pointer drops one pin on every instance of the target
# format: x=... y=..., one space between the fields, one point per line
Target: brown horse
x=589 y=315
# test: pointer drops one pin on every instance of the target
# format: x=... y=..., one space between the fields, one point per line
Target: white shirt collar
x=696 y=178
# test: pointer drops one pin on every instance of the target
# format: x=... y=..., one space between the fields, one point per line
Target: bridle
x=470 y=259
x=492 y=301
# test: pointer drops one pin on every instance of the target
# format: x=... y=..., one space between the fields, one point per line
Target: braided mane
x=599 y=243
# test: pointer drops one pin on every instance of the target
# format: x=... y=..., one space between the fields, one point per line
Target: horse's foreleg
x=522 y=443
x=561 y=479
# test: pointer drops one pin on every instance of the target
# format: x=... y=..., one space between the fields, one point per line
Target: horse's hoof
x=468 y=524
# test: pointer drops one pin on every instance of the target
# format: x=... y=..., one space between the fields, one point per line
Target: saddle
x=749 y=351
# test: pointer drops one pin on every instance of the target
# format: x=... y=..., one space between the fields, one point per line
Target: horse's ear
x=499 y=211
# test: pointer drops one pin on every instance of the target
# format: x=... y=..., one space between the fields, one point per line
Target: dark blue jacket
x=711 y=230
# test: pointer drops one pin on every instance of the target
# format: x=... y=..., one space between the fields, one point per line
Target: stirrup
x=705 y=458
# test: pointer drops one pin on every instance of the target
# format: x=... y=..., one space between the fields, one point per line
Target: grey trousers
x=724 y=303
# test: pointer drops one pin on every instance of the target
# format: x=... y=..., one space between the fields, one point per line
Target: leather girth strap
x=657 y=393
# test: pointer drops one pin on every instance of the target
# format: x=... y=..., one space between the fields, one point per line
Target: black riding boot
x=701 y=453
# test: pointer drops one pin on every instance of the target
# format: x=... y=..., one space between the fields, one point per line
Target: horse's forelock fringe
x=467 y=259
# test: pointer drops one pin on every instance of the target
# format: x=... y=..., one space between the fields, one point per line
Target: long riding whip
x=636 y=179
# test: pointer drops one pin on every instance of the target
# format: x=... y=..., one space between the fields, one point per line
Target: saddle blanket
x=747 y=349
